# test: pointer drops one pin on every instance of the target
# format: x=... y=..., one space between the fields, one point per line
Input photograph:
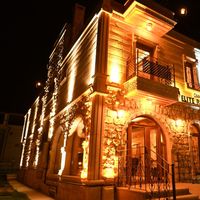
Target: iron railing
x=146 y=171
x=151 y=68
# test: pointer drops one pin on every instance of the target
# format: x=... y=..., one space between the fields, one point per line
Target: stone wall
x=173 y=119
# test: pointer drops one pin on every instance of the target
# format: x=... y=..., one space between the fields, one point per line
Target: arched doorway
x=146 y=150
x=74 y=148
x=194 y=149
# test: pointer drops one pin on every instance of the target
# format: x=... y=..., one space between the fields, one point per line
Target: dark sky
x=28 y=31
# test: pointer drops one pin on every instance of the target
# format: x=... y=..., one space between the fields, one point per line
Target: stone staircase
x=181 y=194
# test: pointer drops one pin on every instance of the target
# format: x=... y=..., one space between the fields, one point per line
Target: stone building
x=119 y=107
x=11 y=125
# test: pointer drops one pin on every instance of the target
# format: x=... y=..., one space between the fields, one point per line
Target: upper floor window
x=143 y=51
x=191 y=74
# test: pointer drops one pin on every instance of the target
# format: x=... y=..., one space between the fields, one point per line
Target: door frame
x=146 y=131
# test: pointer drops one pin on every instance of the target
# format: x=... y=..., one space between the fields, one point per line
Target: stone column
x=97 y=115
x=102 y=53
x=97 y=126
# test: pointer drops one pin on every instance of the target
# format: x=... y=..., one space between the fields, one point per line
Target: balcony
x=150 y=77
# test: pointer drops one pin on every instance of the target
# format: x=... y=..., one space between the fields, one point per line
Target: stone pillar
x=102 y=53
x=97 y=115
x=97 y=127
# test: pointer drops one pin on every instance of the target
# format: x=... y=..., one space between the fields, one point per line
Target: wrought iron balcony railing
x=151 y=68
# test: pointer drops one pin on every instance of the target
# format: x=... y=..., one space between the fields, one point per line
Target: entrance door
x=146 y=148
x=194 y=149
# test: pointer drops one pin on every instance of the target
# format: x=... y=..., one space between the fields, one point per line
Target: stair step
x=182 y=191
x=181 y=197
x=179 y=192
x=187 y=197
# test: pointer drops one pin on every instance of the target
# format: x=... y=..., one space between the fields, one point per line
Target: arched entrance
x=74 y=148
x=146 y=151
x=194 y=149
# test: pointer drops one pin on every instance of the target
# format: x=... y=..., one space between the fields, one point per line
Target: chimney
x=78 y=20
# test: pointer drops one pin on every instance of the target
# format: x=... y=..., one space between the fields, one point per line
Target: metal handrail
x=132 y=172
x=151 y=68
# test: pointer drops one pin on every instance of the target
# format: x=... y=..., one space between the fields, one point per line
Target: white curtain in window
x=198 y=73
x=195 y=76
x=189 y=76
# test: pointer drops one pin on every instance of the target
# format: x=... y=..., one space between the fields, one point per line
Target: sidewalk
x=31 y=193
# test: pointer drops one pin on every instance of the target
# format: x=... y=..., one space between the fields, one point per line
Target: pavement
x=11 y=189
x=20 y=191
x=31 y=193
x=35 y=195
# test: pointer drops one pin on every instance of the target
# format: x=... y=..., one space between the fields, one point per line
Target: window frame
x=191 y=74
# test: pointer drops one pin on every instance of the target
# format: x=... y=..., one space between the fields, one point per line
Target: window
x=144 y=52
x=191 y=74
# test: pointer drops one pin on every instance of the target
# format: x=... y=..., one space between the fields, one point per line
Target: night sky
x=29 y=29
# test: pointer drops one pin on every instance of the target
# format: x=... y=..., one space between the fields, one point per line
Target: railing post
x=173 y=183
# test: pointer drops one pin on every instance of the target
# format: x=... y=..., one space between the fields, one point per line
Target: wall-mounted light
x=179 y=123
x=120 y=113
x=149 y=26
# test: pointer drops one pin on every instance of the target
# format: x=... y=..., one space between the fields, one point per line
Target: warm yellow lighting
x=117 y=103
x=116 y=161
x=109 y=172
x=109 y=160
x=22 y=155
x=120 y=113
x=74 y=58
x=63 y=157
x=115 y=60
x=178 y=126
x=72 y=77
x=29 y=150
x=146 y=105
x=53 y=110
x=179 y=123
x=27 y=125
x=92 y=58
x=149 y=26
x=114 y=73
x=183 y=11
x=35 y=163
x=35 y=115
x=51 y=129
x=44 y=101
x=93 y=21
x=24 y=138
x=84 y=171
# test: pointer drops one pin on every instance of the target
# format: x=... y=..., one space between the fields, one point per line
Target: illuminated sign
x=192 y=100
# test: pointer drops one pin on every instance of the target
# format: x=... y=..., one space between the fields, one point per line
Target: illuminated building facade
x=120 y=105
